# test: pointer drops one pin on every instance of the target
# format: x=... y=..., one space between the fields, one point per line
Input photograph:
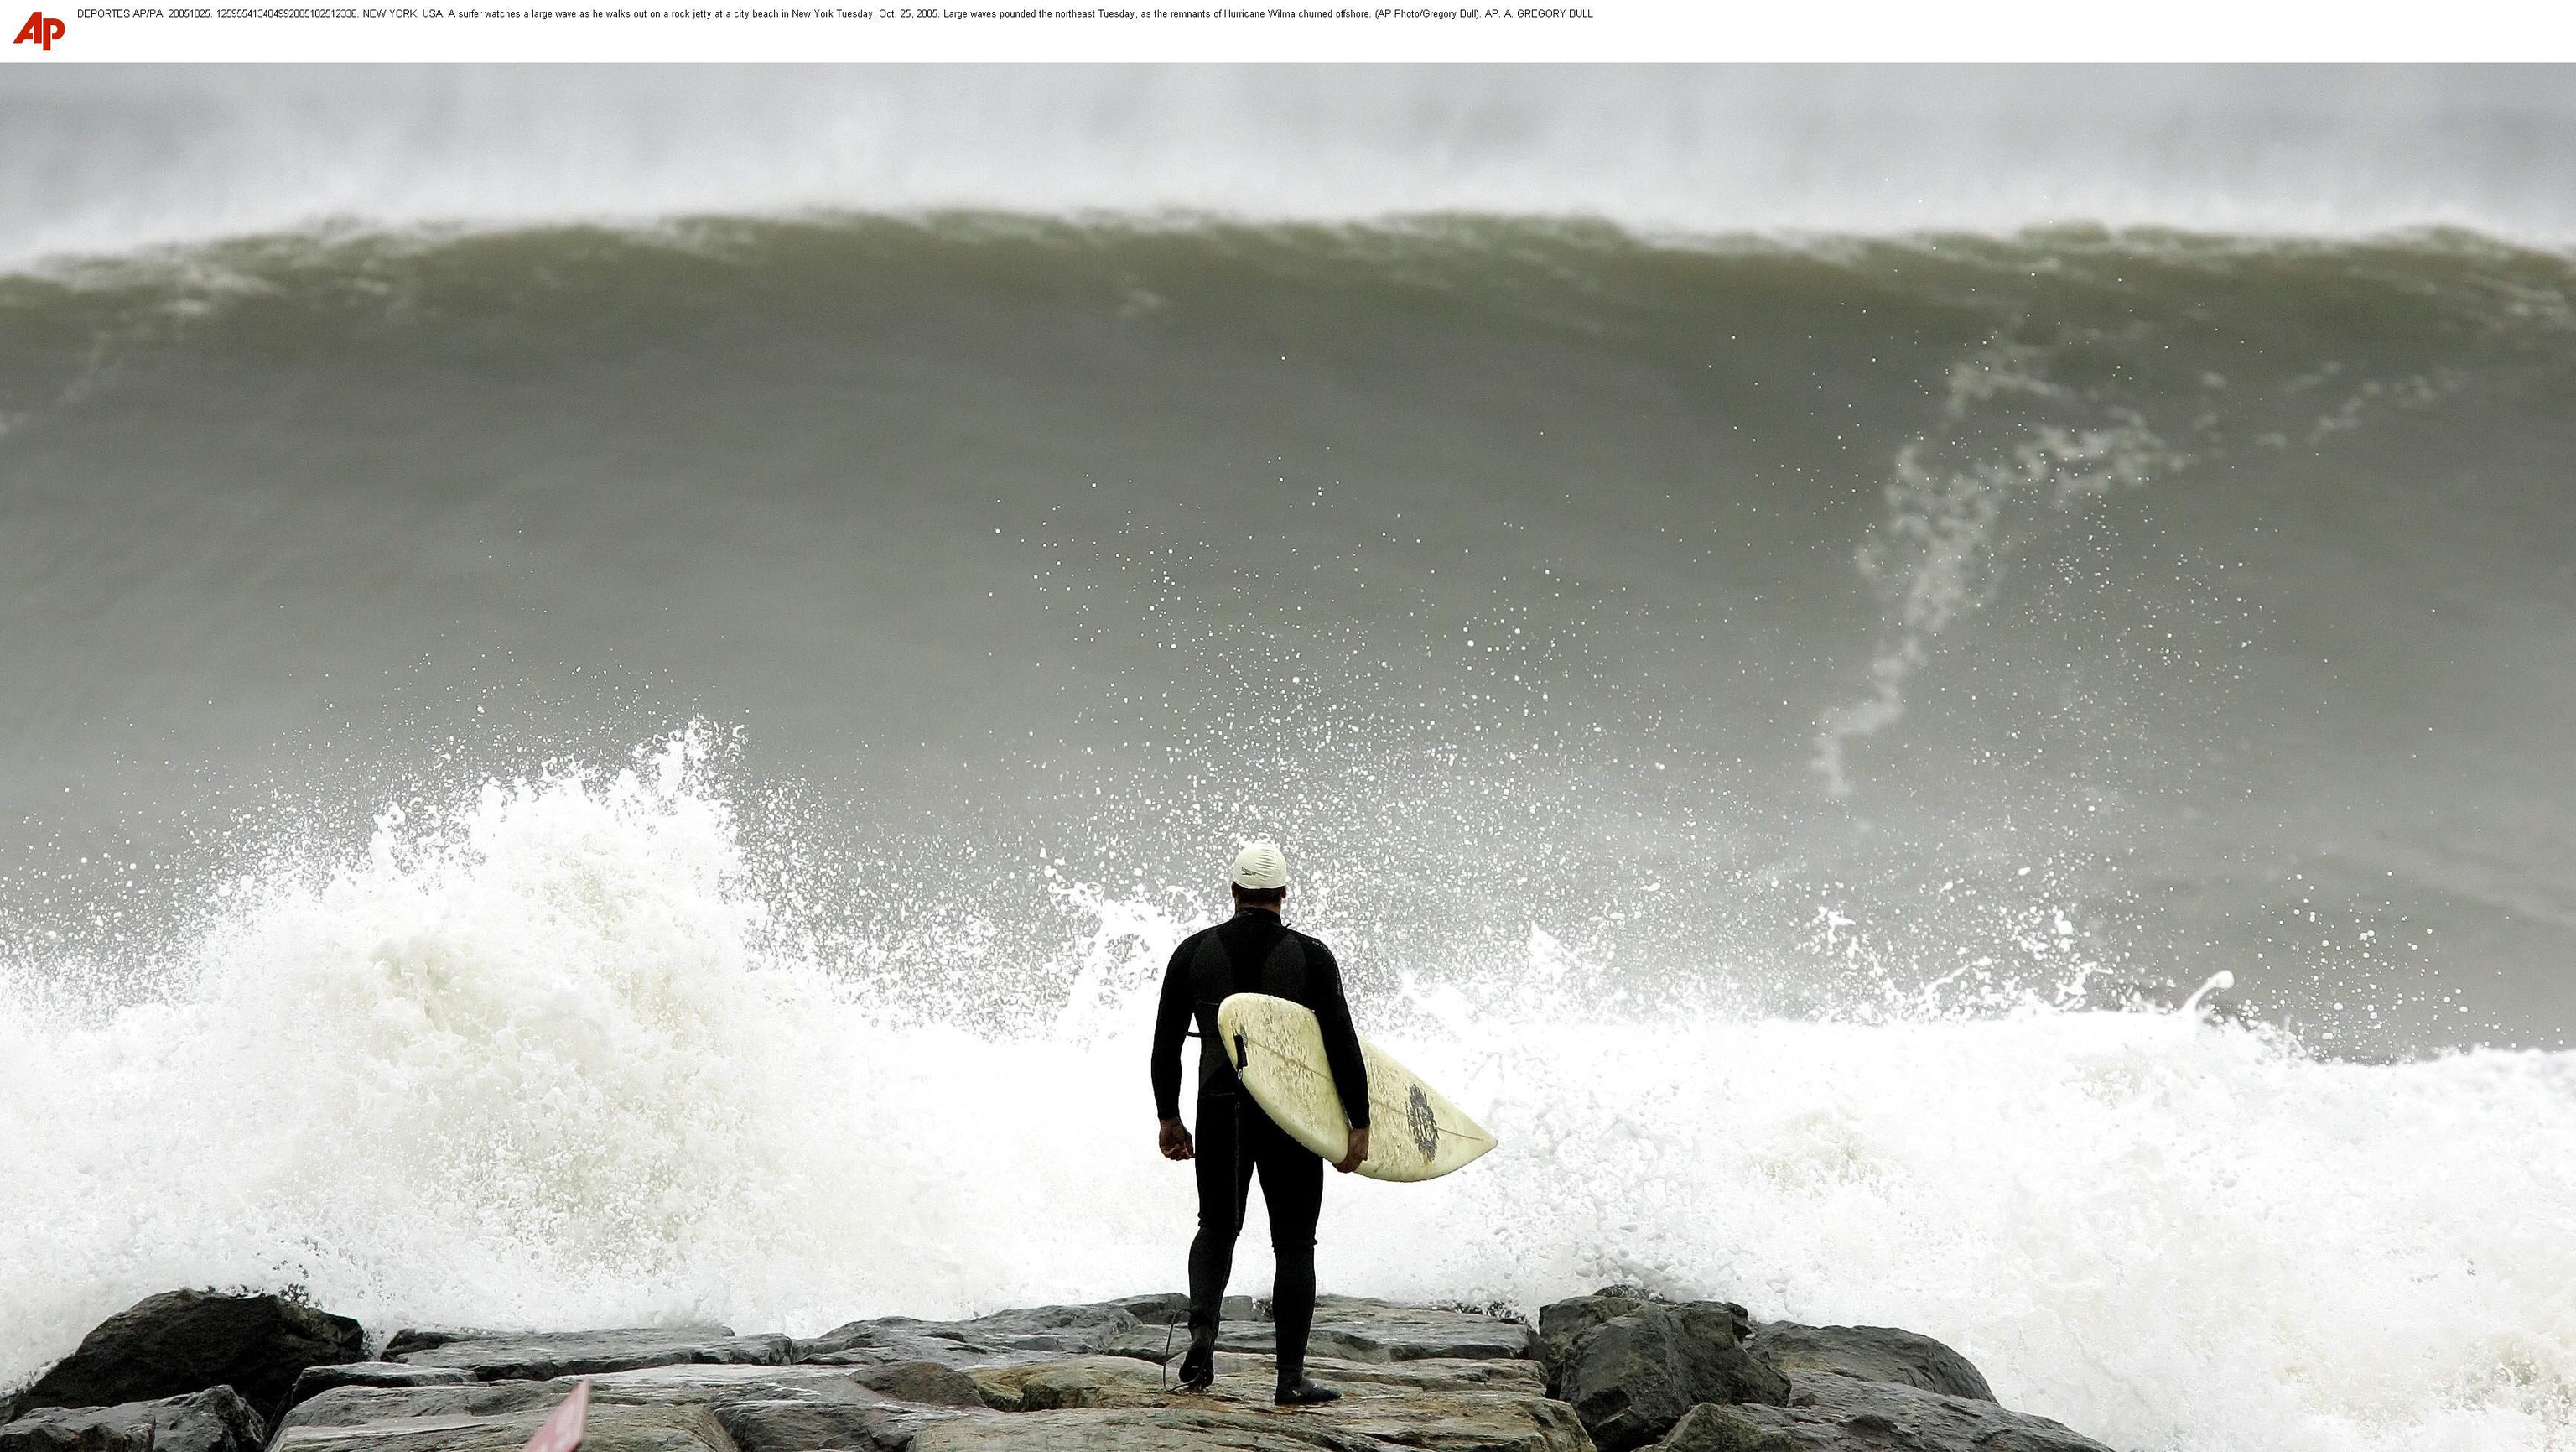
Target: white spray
x=538 y=1065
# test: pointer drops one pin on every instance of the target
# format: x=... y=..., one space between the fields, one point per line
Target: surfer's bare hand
x=1176 y=1141
x=1358 y=1151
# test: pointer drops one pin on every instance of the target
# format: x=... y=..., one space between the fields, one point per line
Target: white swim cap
x=1260 y=865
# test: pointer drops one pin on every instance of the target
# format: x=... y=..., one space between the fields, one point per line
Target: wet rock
x=1163 y=1308
x=1833 y=1413
x=610 y=1428
x=895 y=1426
x=1632 y=1376
x=1166 y=1343
x=1172 y=1308
x=926 y=1382
x=1049 y=1328
x=759 y=1408
x=1083 y=1381
x=1006 y=1336
x=698 y=1381
x=1634 y=1367
x=1162 y=1429
x=1355 y=1329
x=888 y=1427
x=677 y=1385
x=589 y=1353
x=1560 y=1322
x=1444 y=1405
x=186 y=1341
x=312 y=1381
x=691 y=1383
x=1349 y=1328
x=1710 y=1427
x=214 y=1420
x=1450 y=1406
x=1870 y=1353
x=357 y=1405
x=423 y=1338
x=813 y=1426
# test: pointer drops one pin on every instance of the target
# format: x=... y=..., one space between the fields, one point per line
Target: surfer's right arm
x=1341 y=1043
x=1171 y=1025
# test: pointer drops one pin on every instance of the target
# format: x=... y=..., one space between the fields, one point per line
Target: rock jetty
x=1620 y=1369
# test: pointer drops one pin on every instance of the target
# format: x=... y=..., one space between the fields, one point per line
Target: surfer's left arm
x=1171 y=1025
x=1341 y=1048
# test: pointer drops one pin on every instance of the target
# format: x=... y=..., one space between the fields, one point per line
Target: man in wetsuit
x=1253 y=953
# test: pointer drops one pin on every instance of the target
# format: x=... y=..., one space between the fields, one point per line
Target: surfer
x=1254 y=952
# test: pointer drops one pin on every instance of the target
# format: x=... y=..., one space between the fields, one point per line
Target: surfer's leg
x=1224 y=1166
x=1292 y=1184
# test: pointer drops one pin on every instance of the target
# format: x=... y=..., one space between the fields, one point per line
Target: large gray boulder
x=214 y=1420
x=1632 y=1376
x=1870 y=1353
x=489 y=1356
x=187 y=1341
x=1833 y=1413
x=1561 y=1321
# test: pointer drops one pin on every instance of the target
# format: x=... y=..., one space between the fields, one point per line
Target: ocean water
x=1944 y=696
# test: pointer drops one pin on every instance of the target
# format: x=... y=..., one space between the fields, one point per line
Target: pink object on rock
x=562 y=1431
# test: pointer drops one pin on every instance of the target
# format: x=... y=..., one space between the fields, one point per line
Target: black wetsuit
x=1253 y=953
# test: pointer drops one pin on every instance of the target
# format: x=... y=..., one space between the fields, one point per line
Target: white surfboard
x=1414 y=1132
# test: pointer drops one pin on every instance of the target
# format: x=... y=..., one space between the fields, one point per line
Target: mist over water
x=114 y=159
x=582 y=712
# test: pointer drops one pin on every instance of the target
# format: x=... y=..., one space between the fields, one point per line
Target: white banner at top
x=1194 y=31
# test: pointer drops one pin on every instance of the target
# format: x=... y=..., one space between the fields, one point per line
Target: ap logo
x=42 y=31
